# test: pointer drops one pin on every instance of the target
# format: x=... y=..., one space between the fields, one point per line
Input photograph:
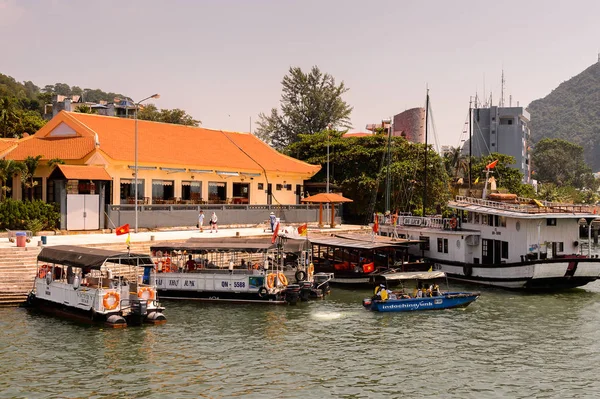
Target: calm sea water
x=505 y=345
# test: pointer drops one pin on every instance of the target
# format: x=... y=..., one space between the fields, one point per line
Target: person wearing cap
x=272 y=219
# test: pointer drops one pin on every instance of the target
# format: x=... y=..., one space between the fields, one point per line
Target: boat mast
x=470 y=140
x=425 y=171
x=387 y=178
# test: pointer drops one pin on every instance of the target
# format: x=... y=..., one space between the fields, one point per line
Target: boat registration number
x=236 y=284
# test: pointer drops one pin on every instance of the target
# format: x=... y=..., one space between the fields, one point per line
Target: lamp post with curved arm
x=135 y=165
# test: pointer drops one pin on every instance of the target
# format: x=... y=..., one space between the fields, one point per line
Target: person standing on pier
x=213 y=223
x=201 y=220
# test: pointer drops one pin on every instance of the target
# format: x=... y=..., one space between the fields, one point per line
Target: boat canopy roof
x=93 y=258
x=412 y=275
x=210 y=245
x=347 y=243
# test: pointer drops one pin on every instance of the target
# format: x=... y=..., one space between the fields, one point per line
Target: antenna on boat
x=425 y=168
x=470 y=140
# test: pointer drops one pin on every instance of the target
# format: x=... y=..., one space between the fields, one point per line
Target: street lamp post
x=135 y=165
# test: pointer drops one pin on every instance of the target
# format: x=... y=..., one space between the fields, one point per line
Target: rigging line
x=464 y=133
x=375 y=191
x=256 y=162
x=482 y=139
x=435 y=137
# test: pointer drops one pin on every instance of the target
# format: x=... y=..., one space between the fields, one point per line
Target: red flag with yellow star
x=122 y=229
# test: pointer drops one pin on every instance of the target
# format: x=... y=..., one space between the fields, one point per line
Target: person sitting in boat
x=436 y=290
x=381 y=293
x=243 y=265
x=190 y=264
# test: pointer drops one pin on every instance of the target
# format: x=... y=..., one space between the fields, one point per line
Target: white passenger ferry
x=229 y=270
x=95 y=285
x=505 y=241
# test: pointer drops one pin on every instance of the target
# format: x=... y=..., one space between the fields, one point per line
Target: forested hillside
x=572 y=112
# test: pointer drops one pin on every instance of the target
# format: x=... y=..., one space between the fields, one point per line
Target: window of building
x=504 y=250
x=493 y=144
x=425 y=243
x=127 y=191
x=551 y=222
x=217 y=192
x=191 y=191
x=510 y=121
x=476 y=218
x=493 y=118
x=502 y=220
x=279 y=187
x=288 y=187
x=261 y=186
x=162 y=190
x=50 y=191
x=241 y=193
x=493 y=131
x=36 y=189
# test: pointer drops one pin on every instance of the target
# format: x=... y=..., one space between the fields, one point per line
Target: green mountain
x=572 y=112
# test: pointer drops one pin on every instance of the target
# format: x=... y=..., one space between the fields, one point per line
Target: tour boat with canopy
x=95 y=285
x=354 y=259
x=425 y=295
x=225 y=270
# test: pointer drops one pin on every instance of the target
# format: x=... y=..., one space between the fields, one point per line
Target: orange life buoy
x=453 y=223
x=111 y=300
x=146 y=293
x=270 y=280
x=282 y=278
x=43 y=270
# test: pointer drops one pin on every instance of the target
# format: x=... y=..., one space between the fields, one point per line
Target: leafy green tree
x=9 y=116
x=310 y=103
x=358 y=166
x=30 y=122
x=27 y=175
x=559 y=162
x=176 y=116
x=84 y=109
x=8 y=168
x=54 y=162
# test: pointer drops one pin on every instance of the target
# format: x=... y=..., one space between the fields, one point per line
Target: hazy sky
x=223 y=61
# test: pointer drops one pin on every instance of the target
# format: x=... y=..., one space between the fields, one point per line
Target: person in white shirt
x=213 y=223
x=201 y=221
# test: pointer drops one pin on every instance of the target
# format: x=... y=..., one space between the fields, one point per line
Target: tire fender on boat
x=467 y=270
x=300 y=275
x=262 y=292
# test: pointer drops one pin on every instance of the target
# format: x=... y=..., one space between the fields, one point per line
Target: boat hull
x=446 y=301
x=221 y=296
x=539 y=275
x=114 y=320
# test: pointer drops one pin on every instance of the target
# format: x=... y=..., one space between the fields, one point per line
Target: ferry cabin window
x=491 y=220
x=484 y=248
x=261 y=186
x=442 y=244
x=425 y=244
x=502 y=220
x=504 y=250
x=476 y=216
x=551 y=222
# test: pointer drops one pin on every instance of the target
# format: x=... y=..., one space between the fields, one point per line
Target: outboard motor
x=139 y=308
x=306 y=291
x=292 y=293
x=367 y=302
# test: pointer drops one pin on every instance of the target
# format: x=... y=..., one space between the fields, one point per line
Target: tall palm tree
x=8 y=168
x=31 y=164
x=8 y=115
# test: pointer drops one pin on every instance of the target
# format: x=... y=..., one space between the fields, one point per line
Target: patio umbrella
x=326 y=198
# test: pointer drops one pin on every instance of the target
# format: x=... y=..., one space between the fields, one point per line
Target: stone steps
x=12 y=299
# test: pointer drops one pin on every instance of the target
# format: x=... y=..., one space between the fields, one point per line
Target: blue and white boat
x=424 y=297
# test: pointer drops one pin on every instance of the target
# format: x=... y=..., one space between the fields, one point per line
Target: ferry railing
x=406 y=219
x=527 y=205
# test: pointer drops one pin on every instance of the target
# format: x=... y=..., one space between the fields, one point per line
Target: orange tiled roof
x=77 y=172
x=159 y=143
x=7 y=144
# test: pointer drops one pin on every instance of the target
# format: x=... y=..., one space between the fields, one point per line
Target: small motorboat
x=426 y=294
